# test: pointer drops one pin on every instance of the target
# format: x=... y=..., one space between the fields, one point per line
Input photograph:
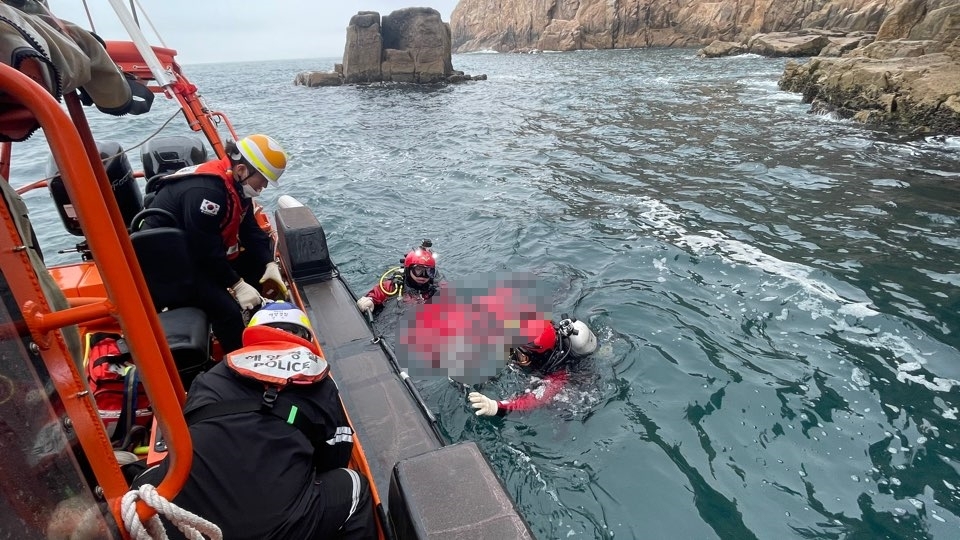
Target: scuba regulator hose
x=397 y=272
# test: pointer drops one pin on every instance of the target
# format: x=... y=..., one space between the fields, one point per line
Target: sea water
x=776 y=293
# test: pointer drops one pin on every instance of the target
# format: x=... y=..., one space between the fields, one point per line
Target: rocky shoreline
x=917 y=94
x=905 y=77
x=890 y=63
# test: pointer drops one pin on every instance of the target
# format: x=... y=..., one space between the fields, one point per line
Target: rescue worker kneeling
x=271 y=441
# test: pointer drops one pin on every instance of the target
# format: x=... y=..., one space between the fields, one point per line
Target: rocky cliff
x=907 y=79
x=521 y=25
x=893 y=63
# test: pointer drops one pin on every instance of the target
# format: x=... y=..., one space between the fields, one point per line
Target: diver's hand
x=365 y=304
x=246 y=295
x=484 y=405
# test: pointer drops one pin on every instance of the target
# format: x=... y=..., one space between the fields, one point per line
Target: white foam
x=944 y=279
x=859 y=378
x=738 y=251
x=937 y=385
x=819 y=299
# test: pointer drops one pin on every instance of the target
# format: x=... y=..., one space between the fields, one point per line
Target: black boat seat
x=188 y=336
x=165 y=155
x=168 y=269
x=165 y=260
x=422 y=488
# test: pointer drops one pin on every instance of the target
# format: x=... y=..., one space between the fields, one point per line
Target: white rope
x=191 y=525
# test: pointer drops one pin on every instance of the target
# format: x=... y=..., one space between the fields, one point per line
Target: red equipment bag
x=114 y=381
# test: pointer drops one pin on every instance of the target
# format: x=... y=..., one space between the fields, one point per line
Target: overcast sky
x=243 y=30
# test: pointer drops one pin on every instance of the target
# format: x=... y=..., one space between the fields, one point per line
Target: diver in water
x=416 y=281
x=550 y=353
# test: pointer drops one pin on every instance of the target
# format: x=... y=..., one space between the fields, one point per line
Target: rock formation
x=890 y=62
x=908 y=79
x=523 y=25
x=410 y=45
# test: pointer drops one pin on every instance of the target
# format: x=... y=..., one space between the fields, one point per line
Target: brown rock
x=318 y=78
x=882 y=50
x=840 y=46
x=561 y=36
x=902 y=19
x=361 y=55
x=410 y=45
x=787 y=44
x=422 y=33
x=917 y=93
x=399 y=66
x=941 y=25
x=721 y=48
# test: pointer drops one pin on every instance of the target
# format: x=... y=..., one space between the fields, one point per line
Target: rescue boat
x=58 y=465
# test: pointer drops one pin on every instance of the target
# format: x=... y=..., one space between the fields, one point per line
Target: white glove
x=273 y=286
x=484 y=405
x=246 y=295
x=365 y=304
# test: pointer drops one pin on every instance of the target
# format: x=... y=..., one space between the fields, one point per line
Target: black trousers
x=347 y=506
x=345 y=512
x=221 y=307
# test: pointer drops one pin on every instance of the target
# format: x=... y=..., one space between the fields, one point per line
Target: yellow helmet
x=265 y=155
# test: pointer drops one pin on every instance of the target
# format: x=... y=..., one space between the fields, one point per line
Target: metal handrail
x=87 y=187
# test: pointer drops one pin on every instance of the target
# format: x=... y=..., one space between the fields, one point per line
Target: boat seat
x=188 y=336
x=165 y=155
x=165 y=260
x=422 y=488
x=168 y=269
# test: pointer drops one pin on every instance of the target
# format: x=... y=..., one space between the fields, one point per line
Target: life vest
x=277 y=358
x=234 y=212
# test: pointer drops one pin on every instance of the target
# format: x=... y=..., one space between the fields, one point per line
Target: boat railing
x=128 y=300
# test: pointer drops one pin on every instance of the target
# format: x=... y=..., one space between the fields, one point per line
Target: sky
x=204 y=31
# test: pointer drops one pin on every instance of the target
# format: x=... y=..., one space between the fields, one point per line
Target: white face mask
x=249 y=191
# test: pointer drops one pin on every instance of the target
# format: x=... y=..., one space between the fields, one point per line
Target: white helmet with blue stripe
x=285 y=316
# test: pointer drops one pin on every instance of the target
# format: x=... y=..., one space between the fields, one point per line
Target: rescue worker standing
x=213 y=204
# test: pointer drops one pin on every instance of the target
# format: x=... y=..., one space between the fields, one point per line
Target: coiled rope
x=191 y=525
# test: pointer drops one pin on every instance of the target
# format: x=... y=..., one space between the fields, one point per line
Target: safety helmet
x=265 y=155
x=285 y=316
x=542 y=336
x=420 y=256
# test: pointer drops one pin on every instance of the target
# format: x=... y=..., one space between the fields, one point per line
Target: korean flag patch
x=209 y=208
